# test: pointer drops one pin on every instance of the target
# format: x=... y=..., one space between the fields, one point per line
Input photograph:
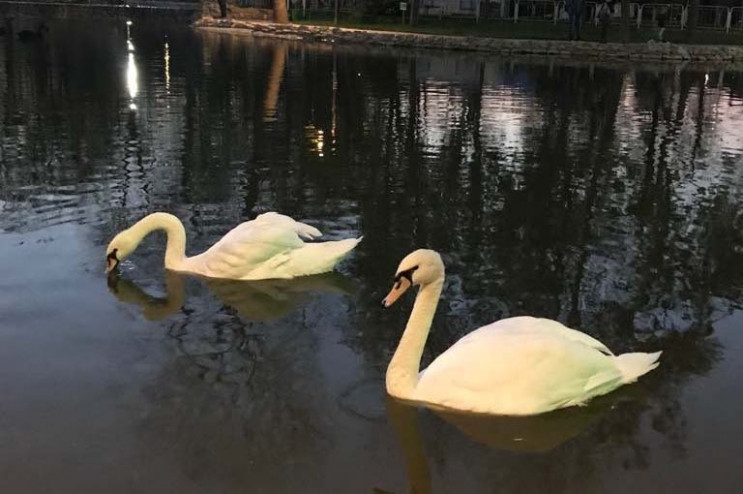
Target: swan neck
x=175 y=252
x=402 y=373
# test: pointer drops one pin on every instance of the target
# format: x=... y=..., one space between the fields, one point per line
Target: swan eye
x=408 y=273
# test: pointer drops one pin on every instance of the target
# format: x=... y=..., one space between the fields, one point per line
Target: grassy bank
x=520 y=30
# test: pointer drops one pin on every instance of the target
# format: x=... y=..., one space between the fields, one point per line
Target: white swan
x=516 y=366
x=268 y=247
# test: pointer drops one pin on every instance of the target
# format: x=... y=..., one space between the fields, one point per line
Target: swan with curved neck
x=269 y=247
x=515 y=366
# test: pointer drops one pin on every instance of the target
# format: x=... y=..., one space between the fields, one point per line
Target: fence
x=736 y=19
x=670 y=15
x=712 y=17
x=536 y=10
x=258 y=4
x=653 y=14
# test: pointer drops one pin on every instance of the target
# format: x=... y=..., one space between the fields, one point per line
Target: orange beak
x=400 y=286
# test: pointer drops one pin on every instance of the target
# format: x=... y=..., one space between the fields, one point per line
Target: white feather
x=516 y=366
x=268 y=247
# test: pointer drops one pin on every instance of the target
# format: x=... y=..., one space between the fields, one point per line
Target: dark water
x=606 y=197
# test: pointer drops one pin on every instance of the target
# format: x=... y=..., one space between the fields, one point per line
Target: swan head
x=118 y=249
x=421 y=267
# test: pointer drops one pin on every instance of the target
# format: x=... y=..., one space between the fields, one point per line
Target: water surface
x=607 y=197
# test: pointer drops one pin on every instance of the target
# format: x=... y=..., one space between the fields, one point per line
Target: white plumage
x=516 y=366
x=268 y=247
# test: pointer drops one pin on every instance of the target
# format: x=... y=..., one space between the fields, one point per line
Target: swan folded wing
x=250 y=247
x=516 y=374
x=527 y=324
x=284 y=222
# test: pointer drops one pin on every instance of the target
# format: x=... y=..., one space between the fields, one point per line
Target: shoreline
x=560 y=49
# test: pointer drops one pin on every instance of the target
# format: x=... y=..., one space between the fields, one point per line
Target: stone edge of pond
x=642 y=52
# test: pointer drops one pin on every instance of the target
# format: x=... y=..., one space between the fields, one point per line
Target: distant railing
x=713 y=17
x=736 y=19
x=256 y=4
x=652 y=14
x=535 y=10
x=670 y=15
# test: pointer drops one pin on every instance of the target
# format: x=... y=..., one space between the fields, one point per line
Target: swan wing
x=264 y=244
x=526 y=324
x=498 y=371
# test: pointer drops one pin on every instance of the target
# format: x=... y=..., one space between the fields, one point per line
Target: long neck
x=402 y=373
x=175 y=252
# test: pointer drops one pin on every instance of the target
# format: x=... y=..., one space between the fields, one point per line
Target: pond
x=606 y=197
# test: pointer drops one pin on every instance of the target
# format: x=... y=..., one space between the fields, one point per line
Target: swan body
x=268 y=247
x=517 y=366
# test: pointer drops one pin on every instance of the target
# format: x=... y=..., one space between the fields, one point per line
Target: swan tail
x=634 y=365
x=306 y=231
x=320 y=257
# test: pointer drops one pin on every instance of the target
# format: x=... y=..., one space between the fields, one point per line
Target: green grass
x=522 y=30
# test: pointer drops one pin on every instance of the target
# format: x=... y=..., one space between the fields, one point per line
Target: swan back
x=270 y=246
x=516 y=373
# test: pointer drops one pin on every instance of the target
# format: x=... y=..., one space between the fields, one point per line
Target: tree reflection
x=236 y=391
x=606 y=197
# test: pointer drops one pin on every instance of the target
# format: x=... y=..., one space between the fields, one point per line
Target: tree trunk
x=692 y=18
x=280 y=12
x=625 y=21
x=414 y=6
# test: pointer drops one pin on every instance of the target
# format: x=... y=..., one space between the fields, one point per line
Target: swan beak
x=111 y=264
x=400 y=287
x=110 y=267
x=112 y=260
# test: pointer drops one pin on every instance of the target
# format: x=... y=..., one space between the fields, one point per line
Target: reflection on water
x=607 y=197
x=274 y=82
x=538 y=434
x=132 y=82
x=261 y=300
x=166 y=63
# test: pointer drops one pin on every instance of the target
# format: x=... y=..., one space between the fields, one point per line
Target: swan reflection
x=262 y=300
x=533 y=434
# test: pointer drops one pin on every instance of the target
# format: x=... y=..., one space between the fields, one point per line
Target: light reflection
x=320 y=143
x=132 y=79
x=316 y=137
x=334 y=108
x=167 y=67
